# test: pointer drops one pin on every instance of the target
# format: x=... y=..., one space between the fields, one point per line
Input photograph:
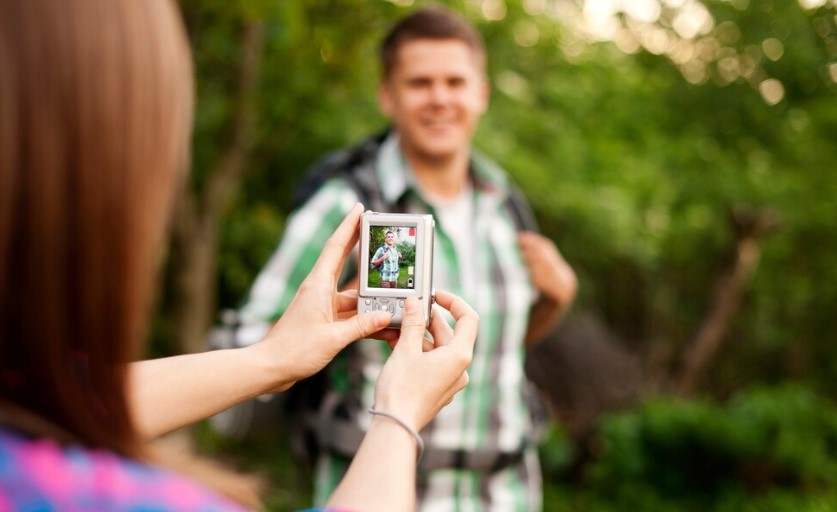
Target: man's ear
x=385 y=99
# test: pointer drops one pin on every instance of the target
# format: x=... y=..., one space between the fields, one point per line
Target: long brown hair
x=95 y=117
x=95 y=114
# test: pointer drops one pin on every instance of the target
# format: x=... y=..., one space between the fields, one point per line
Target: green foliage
x=631 y=169
x=265 y=455
x=259 y=233
x=377 y=238
x=375 y=278
x=766 y=449
x=408 y=251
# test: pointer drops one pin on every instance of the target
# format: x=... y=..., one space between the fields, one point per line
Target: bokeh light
x=772 y=91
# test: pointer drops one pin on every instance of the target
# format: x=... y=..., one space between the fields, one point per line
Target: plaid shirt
x=388 y=267
x=491 y=413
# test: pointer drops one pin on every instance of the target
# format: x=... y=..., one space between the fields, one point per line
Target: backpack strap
x=355 y=165
x=520 y=211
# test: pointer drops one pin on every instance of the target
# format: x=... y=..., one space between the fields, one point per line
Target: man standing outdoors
x=386 y=260
x=481 y=449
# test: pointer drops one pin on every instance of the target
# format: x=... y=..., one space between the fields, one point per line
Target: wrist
x=401 y=406
x=384 y=420
x=556 y=298
x=272 y=373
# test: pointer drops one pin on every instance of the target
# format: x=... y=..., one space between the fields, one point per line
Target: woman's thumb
x=412 y=326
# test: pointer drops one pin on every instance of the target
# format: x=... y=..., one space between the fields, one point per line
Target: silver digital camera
x=396 y=262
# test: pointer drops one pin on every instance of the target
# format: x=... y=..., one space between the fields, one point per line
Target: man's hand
x=550 y=273
x=554 y=279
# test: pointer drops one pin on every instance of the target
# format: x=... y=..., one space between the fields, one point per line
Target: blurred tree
x=634 y=149
x=634 y=127
x=195 y=232
x=270 y=76
x=640 y=130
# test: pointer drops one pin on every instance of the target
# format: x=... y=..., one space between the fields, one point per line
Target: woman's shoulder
x=40 y=474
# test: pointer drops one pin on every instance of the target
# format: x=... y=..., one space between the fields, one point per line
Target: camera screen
x=392 y=257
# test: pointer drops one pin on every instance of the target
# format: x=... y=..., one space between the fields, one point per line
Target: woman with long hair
x=95 y=118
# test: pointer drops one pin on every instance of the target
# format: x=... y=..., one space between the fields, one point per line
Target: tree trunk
x=195 y=234
x=750 y=226
x=196 y=249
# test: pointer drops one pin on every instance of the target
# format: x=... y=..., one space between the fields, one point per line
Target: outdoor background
x=682 y=155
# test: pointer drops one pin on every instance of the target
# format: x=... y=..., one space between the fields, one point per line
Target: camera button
x=383 y=300
x=401 y=303
x=368 y=301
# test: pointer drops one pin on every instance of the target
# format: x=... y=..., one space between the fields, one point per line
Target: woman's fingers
x=338 y=245
x=467 y=320
x=346 y=301
x=440 y=329
x=426 y=344
x=362 y=326
x=412 y=326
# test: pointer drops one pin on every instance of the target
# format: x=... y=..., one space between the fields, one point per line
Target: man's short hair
x=429 y=23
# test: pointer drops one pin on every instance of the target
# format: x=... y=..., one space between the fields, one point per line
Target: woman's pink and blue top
x=42 y=475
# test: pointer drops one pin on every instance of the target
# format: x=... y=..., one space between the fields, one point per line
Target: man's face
x=435 y=95
x=390 y=238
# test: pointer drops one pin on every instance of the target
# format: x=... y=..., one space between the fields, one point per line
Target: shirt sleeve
x=305 y=235
x=378 y=254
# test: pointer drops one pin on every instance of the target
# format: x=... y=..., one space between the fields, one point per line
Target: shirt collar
x=392 y=170
x=396 y=177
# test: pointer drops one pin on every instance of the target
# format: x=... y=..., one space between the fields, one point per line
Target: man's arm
x=554 y=279
x=379 y=257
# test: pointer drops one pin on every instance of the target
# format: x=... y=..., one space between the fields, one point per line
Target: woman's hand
x=420 y=377
x=169 y=393
x=415 y=383
x=319 y=321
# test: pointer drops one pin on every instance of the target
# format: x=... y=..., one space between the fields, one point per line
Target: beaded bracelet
x=408 y=428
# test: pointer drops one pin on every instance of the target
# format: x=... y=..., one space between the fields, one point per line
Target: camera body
x=396 y=262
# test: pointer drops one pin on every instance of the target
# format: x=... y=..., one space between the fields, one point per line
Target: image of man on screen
x=386 y=260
